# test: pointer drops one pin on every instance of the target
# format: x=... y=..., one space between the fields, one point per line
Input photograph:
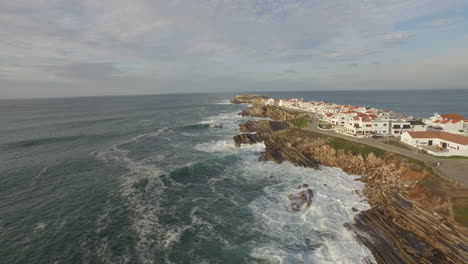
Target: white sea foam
x=145 y=217
x=151 y=134
x=227 y=147
x=316 y=235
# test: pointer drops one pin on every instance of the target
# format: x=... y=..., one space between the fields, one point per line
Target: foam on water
x=315 y=235
x=226 y=147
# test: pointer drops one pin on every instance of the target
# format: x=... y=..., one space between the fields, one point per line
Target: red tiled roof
x=456 y=120
x=356 y=117
x=329 y=114
x=366 y=120
x=459 y=139
x=452 y=116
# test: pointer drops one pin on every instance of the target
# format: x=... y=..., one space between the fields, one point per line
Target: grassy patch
x=302 y=122
x=356 y=148
x=461 y=213
x=397 y=144
x=416 y=165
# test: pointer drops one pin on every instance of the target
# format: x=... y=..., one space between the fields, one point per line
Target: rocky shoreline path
x=415 y=216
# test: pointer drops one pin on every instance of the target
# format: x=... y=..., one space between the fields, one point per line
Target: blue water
x=144 y=179
x=420 y=104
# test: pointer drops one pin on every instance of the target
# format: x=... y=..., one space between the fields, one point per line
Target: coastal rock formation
x=250 y=99
x=298 y=200
x=264 y=126
x=247 y=138
x=410 y=220
x=273 y=112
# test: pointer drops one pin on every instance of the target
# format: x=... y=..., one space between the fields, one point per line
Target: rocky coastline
x=411 y=219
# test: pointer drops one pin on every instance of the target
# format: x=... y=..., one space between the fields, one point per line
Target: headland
x=416 y=216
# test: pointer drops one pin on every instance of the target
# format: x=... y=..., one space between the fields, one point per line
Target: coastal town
x=438 y=135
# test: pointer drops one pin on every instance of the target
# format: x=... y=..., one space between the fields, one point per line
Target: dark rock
x=298 y=200
x=355 y=209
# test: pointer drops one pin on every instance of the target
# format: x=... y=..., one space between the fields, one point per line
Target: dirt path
x=455 y=169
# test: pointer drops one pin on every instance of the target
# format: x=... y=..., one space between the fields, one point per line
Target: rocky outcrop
x=403 y=225
x=247 y=138
x=401 y=232
x=297 y=201
x=273 y=112
x=250 y=99
x=264 y=126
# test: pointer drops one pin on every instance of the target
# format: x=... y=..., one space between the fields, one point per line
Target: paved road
x=455 y=169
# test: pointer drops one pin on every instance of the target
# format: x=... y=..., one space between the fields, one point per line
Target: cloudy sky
x=113 y=47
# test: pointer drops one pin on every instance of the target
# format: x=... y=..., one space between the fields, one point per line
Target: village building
x=452 y=123
x=437 y=143
x=270 y=101
x=399 y=126
x=418 y=125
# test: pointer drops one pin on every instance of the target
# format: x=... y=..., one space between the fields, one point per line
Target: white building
x=397 y=127
x=418 y=125
x=452 y=123
x=270 y=101
x=359 y=126
x=437 y=143
x=381 y=127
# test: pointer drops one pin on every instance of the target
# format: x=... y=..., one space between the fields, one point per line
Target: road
x=454 y=169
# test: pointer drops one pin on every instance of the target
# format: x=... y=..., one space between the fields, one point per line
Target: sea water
x=145 y=179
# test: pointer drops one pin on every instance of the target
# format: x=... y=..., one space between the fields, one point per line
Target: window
x=406 y=126
x=384 y=124
x=375 y=124
x=369 y=125
x=385 y=131
x=395 y=132
x=396 y=126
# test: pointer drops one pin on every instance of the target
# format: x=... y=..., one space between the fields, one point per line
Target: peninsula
x=416 y=215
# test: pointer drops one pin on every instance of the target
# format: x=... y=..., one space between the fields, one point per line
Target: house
x=437 y=143
x=453 y=123
x=359 y=126
x=270 y=101
x=381 y=127
x=397 y=127
x=418 y=125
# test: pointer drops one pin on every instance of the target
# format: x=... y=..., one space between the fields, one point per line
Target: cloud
x=85 y=71
x=114 y=42
x=442 y=22
x=346 y=53
x=398 y=36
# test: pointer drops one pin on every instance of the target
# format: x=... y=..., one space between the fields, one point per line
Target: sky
x=56 y=48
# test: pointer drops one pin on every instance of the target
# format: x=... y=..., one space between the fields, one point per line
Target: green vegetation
x=302 y=122
x=356 y=148
x=417 y=165
x=461 y=213
x=397 y=144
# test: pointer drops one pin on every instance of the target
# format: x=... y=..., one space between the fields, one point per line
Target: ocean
x=145 y=179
